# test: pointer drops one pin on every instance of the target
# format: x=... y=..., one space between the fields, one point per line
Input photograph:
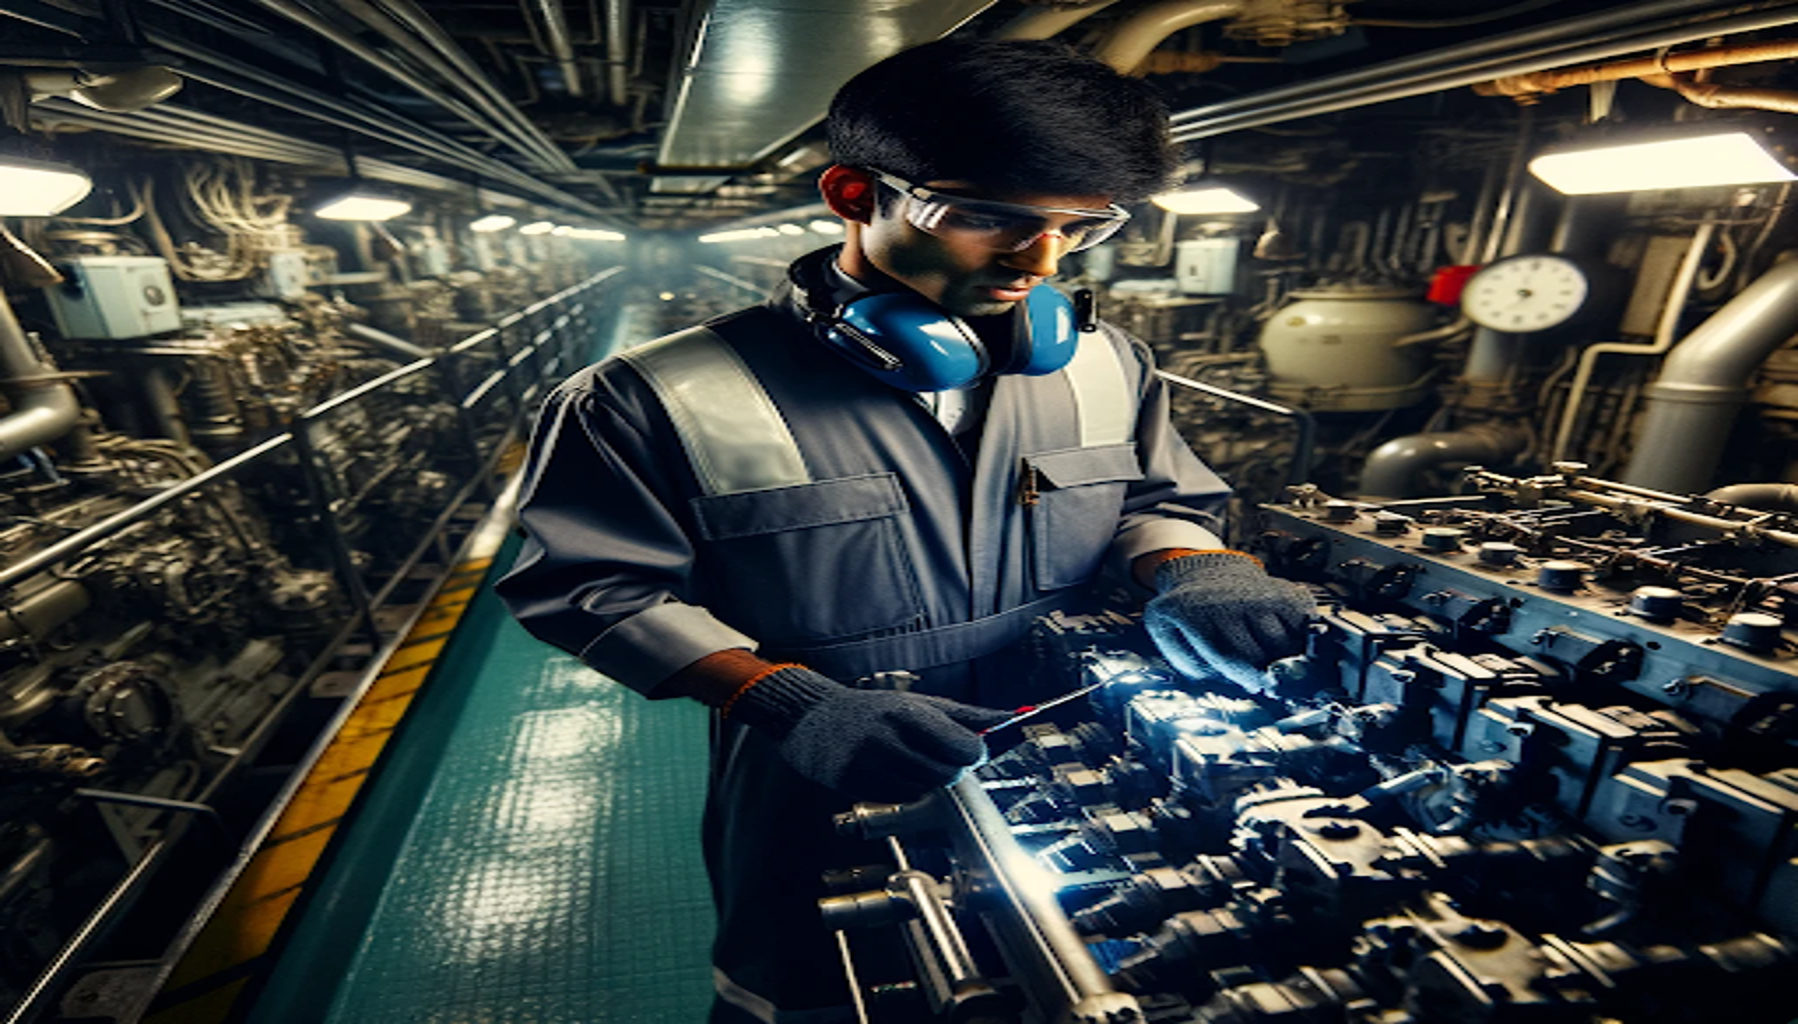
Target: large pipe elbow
x=1767 y=497
x=1394 y=468
x=1045 y=22
x=42 y=409
x=1132 y=42
x=1704 y=382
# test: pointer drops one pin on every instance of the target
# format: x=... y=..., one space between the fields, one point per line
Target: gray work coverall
x=879 y=545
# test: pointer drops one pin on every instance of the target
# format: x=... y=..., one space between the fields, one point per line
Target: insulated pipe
x=1550 y=34
x=1733 y=97
x=1131 y=42
x=1669 y=63
x=1393 y=468
x=381 y=339
x=1200 y=123
x=44 y=407
x=618 y=50
x=560 y=43
x=1770 y=497
x=1704 y=382
x=1044 y=22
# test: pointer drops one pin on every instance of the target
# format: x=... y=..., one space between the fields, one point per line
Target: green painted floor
x=528 y=854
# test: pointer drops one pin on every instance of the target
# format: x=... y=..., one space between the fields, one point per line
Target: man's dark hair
x=1008 y=115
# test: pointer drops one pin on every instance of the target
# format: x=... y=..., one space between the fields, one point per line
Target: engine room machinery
x=1537 y=764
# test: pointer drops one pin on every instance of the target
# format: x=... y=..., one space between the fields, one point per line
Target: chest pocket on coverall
x=1080 y=496
x=814 y=561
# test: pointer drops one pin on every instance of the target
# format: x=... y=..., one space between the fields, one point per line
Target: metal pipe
x=559 y=42
x=1393 y=468
x=1131 y=42
x=1554 y=32
x=1677 y=293
x=1736 y=97
x=1771 y=497
x=1044 y=22
x=1669 y=63
x=618 y=50
x=1061 y=956
x=414 y=31
x=1704 y=382
x=1387 y=86
x=44 y=406
x=391 y=343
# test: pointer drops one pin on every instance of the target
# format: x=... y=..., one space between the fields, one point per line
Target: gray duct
x=1392 y=471
x=1704 y=382
x=43 y=408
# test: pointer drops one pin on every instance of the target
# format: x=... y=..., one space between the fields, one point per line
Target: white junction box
x=1206 y=266
x=114 y=297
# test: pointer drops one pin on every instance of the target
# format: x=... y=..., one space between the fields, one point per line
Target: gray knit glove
x=1220 y=614
x=867 y=744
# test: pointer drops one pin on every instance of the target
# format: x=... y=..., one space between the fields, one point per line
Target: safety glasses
x=1007 y=227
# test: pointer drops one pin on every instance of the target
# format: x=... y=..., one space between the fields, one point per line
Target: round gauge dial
x=1526 y=293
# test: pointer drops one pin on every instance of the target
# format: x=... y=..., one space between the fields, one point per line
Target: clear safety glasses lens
x=1008 y=227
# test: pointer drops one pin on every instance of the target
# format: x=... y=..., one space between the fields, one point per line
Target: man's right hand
x=883 y=745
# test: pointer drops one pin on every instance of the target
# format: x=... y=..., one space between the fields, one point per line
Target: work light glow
x=1724 y=158
x=362 y=206
x=540 y=227
x=790 y=229
x=1211 y=199
x=35 y=188
x=827 y=227
x=596 y=234
x=493 y=222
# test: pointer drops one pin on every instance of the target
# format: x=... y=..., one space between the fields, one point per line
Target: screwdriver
x=1032 y=710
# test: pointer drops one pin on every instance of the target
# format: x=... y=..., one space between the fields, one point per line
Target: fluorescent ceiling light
x=740 y=234
x=493 y=222
x=1212 y=199
x=561 y=231
x=540 y=227
x=1724 y=158
x=827 y=227
x=790 y=229
x=596 y=234
x=36 y=188
x=362 y=206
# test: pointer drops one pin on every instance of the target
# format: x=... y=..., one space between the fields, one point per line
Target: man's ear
x=849 y=192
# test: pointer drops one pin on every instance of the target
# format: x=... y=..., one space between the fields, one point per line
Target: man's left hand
x=1219 y=613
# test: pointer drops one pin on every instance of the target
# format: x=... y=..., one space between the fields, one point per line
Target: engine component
x=1537 y=762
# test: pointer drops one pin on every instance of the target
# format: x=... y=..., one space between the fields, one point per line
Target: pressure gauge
x=1521 y=294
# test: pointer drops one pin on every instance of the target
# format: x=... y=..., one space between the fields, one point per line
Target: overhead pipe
x=1704 y=382
x=1133 y=40
x=1392 y=471
x=1046 y=22
x=1552 y=33
x=559 y=42
x=1387 y=86
x=1639 y=67
x=409 y=27
x=618 y=50
x=44 y=406
x=1732 y=97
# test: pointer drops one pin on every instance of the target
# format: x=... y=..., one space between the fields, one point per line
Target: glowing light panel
x=493 y=222
x=1726 y=158
x=362 y=206
x=1205 y=200
x=34 y=188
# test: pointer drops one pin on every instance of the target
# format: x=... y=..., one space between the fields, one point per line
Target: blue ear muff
x=1045 y=333
x=907 y=341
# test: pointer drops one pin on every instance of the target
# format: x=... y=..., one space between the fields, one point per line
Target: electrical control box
x=114 y=297
x=1206 y=266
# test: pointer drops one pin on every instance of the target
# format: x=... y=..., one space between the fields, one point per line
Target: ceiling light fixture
x=1718 y=158
x=361 y=204
x=1209 y=199
x=539 y=227
x=38 y=188
x=790 y=229
x=827 y=227
x=596 y=234
x=493 y=222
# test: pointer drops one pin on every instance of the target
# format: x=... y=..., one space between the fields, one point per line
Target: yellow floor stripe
x=245 y=924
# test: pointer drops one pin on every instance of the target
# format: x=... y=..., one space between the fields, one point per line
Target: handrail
x=1302 y=445
x=124 y=892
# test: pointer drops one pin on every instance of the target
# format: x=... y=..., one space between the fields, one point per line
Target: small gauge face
x=1526 y=293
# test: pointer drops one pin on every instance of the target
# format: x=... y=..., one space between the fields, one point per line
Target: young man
x=834 y=516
